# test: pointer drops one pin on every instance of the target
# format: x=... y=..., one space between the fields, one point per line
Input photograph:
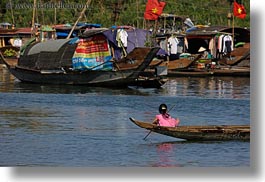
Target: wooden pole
x=42 y=14
x=137 y=13
x=33 y=18
x=12 y=14
x=233 y=24
x=55 y=15
x=81 y=14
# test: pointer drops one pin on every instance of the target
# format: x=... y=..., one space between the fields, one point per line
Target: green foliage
x=119 y=12
x=9 y=53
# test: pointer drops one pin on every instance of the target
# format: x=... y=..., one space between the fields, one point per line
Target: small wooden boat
x=177 y=64
x=200 y=133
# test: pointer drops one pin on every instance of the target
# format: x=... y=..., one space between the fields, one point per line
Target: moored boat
x=208 y=50
x=92 y=59
x=200 y=133
x=11 y=39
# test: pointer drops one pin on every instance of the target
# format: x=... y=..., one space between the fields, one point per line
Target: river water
x=55 y=125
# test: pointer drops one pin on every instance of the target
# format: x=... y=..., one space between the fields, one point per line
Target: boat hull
x=200 y=133
x=91 y=78
x=126 y=73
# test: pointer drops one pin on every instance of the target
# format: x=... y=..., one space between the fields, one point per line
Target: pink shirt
x=167 y=121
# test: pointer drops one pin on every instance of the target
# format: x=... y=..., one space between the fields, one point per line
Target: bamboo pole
x=33 y=18
x=42 y=14
x=81 y=14
x=12 y=13
x=55 y=16
x=137 y=12
x=233 y=23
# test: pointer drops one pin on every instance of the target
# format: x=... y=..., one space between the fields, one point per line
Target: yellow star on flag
x=239 y=10
x=154 y=10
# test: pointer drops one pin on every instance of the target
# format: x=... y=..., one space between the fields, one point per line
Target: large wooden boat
x=90 y=59
x=200 y=133
x=125 y=73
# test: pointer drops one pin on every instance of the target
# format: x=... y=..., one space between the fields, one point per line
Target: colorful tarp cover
x=92 y=53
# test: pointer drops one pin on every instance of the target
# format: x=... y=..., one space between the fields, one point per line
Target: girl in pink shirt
x=164 y=119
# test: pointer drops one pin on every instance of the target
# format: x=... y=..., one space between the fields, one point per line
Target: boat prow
x=200 y=133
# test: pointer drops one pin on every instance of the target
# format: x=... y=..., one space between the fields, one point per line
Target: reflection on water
x=29 y=120
x=6 y=80
x=220 y=87
x=10 y=84
x=210 y=87
x=165 y=153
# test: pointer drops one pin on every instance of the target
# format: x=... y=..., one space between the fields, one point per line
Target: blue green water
x=51 y=125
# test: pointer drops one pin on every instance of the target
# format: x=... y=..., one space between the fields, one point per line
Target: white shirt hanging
x=121 y=37
x=173 y=45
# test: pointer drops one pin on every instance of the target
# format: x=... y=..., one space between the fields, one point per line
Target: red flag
x=239 y=10
x=153 y=9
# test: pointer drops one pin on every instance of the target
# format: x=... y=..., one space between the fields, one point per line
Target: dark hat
x=162 y=108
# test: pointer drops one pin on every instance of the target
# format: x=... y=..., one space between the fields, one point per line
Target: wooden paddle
x=147 y=134
x=151 y=130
